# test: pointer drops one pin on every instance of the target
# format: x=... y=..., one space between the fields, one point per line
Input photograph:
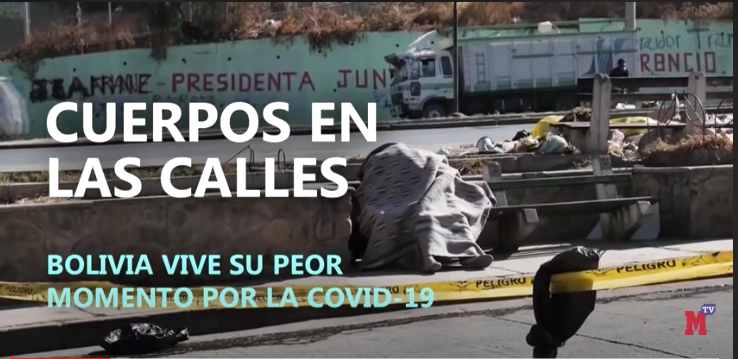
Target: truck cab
x=422 y=78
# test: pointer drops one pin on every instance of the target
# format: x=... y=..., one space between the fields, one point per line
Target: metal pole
x=78 y=14
x=630 y=16
x=457 y=63
x=110 y=14
x=27 y=21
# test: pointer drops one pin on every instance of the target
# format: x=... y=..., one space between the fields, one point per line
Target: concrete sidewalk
x=34 y=328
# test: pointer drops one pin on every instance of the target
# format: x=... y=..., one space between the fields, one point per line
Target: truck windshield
x=400 y=72
x=424 y=68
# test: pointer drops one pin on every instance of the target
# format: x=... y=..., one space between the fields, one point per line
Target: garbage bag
x=520 y=135
x=553 y=145
x=485 y=144
x=542 y=127
x=142 y=338
x=559 y=316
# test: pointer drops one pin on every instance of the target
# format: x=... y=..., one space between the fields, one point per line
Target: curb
x=89 y=332
x=294 y=131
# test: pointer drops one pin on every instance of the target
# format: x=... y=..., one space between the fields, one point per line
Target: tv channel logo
x=697 y=320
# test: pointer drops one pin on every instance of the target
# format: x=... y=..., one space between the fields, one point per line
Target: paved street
x=154 y=154
x=650 y=326
x=646 y=322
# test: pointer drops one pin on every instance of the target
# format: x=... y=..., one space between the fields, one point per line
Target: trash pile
x=714 y=120
x=544 y=140
x=719 y=119
x=525 y=142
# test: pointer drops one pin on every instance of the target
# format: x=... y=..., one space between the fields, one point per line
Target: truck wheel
x=434 y=110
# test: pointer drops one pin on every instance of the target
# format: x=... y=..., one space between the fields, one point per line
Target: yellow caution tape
x=654 y=272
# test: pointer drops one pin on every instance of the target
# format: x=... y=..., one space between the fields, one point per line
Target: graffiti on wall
x=201 y=74
x=692 y=47
x=281 y=81
x=60 y=89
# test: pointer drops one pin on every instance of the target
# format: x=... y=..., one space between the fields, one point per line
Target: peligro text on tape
x=668 y=270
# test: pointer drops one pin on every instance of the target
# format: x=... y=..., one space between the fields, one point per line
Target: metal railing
x=693 y=96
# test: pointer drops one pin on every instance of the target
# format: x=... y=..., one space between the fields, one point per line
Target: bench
x=620 y=218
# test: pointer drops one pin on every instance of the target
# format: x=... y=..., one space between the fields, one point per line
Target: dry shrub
x=167 y=23
x=485 y=13
x=728 y=11
x=704 y=11
x=69 y=40
x=691 y=151
x=578 y=114
x=692 y=144
x=440 y=14
x=321 y=28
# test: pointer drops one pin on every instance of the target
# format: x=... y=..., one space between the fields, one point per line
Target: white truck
x=503 y=74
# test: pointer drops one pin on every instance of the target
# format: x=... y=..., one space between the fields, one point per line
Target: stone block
x=694 y=202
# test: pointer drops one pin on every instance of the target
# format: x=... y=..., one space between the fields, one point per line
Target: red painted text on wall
x=677 y=52
x=679 y=62
x=362 y=79
x=242 y=82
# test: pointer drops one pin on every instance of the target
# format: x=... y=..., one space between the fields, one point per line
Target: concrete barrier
x=552 y=229
x=523 y=163
x=162 y=225
x=12 y=192
x=695 y=202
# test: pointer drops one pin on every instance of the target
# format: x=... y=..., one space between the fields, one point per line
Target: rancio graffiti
x=260 y=71
x=670 y=48
x=695 y=47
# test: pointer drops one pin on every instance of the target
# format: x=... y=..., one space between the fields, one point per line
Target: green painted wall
x=259 y=72
x=671 y=48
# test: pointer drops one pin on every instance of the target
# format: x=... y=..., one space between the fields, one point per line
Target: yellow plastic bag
x=542 y=127
x=629 y=133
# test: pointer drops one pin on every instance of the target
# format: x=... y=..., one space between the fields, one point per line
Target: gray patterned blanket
x=416 y=210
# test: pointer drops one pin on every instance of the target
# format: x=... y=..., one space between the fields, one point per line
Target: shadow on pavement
x=6 y=304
